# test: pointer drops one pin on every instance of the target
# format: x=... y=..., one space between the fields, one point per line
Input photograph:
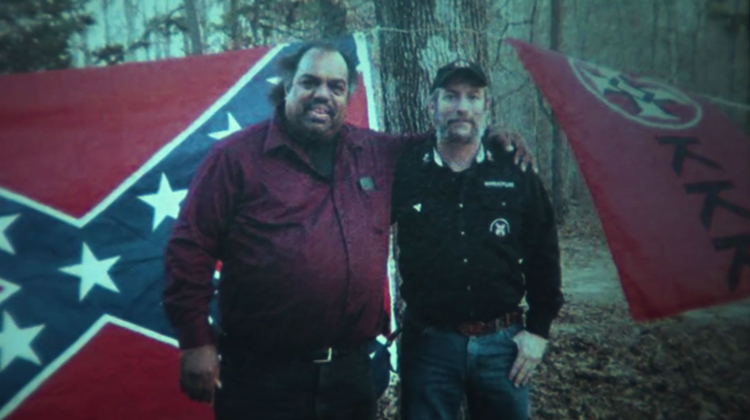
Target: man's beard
x=321 y=132
x=444 y=133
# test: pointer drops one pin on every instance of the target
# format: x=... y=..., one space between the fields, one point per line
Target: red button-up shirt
x=304 y=258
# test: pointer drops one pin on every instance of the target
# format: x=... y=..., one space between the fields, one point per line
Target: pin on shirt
x=366 y=183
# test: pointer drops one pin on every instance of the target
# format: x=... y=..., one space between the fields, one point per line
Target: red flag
x=669 y=175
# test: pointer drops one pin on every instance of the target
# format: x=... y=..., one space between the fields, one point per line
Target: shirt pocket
x=415 y=222
x=502 y=216
x=502 y=213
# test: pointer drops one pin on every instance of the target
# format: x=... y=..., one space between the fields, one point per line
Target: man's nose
x=462 y=105
x=322 y=92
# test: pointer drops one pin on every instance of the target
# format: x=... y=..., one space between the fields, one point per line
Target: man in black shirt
x=475 y=234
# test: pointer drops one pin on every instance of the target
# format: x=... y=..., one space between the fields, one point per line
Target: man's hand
x=530 y=352
x=511 y=141
x=199 y=373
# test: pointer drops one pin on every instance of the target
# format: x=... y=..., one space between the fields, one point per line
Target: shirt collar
x=480 y=157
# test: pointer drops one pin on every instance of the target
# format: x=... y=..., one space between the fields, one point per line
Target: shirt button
x=460 y=205
x=468 y=288
x=466 y=260
x=463 y=233
x=504 y=204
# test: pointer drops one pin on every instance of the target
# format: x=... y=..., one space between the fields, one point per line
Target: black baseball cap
x=458 y=66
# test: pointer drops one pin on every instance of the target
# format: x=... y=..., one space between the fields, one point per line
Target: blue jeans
x=439 y=367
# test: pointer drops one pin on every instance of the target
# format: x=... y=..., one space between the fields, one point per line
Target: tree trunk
x=232 y=23
x=105 y=22
x=194 y=30
x=416 y=38
x=558 y=147
x=332 y=18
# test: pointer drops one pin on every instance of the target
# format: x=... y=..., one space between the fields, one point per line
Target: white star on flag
x=274 y=80
x=16 y=342
x=92 y=272
x=233 y=127
x=166 y=202
x=5 y=222
x=7 y=289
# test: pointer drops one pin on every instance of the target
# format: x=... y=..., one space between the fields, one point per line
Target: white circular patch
x=500 y=227
x=645 y=101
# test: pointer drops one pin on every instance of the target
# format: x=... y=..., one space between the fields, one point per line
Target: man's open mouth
x=319 y=112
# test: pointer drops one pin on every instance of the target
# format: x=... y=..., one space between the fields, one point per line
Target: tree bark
x=194 y=30
x=333 y=18
x=232 y=21
x=558 y=146
x=416 y=38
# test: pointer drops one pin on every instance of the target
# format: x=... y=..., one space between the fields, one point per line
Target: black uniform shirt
x=472 y=243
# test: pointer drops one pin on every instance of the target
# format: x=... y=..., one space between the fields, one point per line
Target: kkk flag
x=94 y=164
x=669 y=175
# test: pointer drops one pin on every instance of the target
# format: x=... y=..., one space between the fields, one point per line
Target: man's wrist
x=194 y=336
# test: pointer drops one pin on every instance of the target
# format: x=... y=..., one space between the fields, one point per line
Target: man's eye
x=307 y=84
x=338 y=89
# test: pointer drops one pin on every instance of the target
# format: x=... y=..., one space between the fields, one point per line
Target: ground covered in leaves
x=602 y=365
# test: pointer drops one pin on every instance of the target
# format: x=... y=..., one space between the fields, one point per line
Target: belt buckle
x=328 y=357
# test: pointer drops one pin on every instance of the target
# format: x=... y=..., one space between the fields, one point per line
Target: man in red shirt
x=297 y=209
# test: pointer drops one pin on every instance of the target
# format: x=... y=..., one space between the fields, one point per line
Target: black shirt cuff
x=538 y=323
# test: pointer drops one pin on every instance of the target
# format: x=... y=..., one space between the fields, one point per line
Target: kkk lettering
x=740 y=244
x=682 y=151
x=712 y=201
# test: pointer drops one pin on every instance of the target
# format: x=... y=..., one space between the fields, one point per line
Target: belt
x=323 y=355
x=329 y=354
x=475 y=328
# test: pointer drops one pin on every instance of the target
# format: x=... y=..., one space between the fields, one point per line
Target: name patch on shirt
x=499 y=184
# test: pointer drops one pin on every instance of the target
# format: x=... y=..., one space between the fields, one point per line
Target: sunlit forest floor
x=600 y=364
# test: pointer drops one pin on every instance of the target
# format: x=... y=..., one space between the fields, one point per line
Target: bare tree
x=333 y=17
x=558 y=146
x=194 y=30
x=416 y=39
